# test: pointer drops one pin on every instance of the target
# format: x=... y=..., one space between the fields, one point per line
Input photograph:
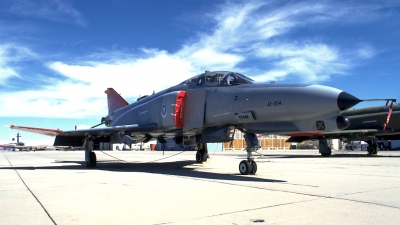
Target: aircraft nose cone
x=342 y=122
x=346 y=101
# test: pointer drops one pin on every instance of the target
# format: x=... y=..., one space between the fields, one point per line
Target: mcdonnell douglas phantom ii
x=367 y=124
x=208 y=107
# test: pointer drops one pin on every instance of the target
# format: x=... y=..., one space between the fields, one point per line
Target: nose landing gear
x=249 y=166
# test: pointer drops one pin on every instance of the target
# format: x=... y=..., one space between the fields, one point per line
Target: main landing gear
x=90 y=156
x=324 y=149
x=202 y=153
x=372 y=147
x=249 y=166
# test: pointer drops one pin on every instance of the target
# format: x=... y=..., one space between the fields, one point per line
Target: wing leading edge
x=43 y=131
x=77 y=137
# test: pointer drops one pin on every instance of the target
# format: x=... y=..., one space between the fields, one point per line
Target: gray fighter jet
x=207 y=107
x=367 y=124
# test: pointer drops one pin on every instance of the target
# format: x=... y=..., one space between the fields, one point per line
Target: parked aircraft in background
x=207 y=107
x=13 y=145
x=21 y=145
x=367 y=124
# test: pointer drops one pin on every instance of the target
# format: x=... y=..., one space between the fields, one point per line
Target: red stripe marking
x=179 y=109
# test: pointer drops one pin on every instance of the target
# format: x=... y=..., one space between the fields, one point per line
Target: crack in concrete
x=318 y=197
x=27 y=187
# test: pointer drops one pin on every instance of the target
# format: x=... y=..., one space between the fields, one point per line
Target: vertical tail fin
x=115 y=100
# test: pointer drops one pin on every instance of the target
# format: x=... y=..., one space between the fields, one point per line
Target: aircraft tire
x=201 y=156
x=254 y=168
x=93 y=159
x=245 y=167
x=381 y=147
x=372 y=150
x=204 y=156
x=198 y=157
x=326 y=154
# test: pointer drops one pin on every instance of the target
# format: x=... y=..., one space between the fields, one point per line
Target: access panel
x=194 y=109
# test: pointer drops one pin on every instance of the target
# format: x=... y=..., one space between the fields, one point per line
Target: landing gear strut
x=90 y=156
x=324 y=148
x=249 y=166
x=202 y=153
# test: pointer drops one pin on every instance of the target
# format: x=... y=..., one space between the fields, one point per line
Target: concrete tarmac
x=133 y=187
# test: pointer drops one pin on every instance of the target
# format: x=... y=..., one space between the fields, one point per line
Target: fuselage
x=217 y=99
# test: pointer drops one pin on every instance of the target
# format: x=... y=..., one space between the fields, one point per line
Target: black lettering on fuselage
x=244 y=117
x=274 y=103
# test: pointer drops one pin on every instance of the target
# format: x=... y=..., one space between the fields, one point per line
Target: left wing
x=123 y=134
x=44 y=131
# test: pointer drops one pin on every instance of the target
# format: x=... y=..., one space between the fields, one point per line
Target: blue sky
x=57 y=57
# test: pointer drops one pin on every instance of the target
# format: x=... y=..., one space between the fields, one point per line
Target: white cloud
x=273 y=75
x=311 y=62
x=6 y=73
x=53 y=10
x=365 y=52
x=138 y=76
x=81 y=93
x=10 y=53
x=248 y=31
x=242 y=33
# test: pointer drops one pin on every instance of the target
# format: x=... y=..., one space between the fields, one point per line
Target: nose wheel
x=247 y=167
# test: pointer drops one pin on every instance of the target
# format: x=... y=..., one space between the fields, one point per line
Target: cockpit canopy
x=217 y=78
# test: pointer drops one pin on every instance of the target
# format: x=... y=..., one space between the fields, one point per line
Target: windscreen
x=218 y=78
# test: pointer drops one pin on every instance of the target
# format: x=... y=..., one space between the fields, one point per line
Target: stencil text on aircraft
x=275 y=103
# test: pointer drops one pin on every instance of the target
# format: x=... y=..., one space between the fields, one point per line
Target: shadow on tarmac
x=187 y=168
x=334 y=155
x=178 y=168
